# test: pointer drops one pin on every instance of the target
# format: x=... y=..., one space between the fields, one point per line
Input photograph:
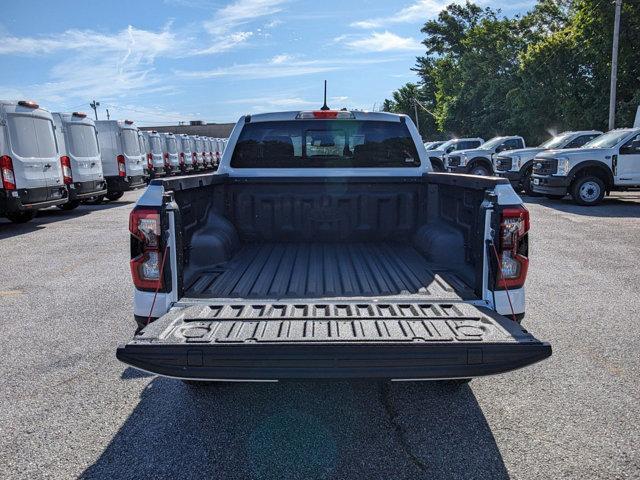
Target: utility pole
x=95 y=106
x=108 y=116
x=614 y=67
x=415 y=112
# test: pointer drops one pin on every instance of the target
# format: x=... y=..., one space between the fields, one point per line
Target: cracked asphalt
x=70 y=409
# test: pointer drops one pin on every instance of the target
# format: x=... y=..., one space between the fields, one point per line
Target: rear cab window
x=325 y=143
x=31 y=137
x=84 y=142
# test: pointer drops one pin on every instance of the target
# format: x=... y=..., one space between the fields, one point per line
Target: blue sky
x=159 y=62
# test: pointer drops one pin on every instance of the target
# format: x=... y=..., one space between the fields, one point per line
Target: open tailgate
x=278 y=340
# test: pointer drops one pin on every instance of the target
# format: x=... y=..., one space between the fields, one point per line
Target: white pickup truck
x=478 y=161
x=325 y=247
x=517 y=165
x=610 y=162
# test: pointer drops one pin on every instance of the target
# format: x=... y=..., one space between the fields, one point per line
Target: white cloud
x=283 y=58
x=384 y=42
x=225 y=43
x=240 y=13
x=418 y=12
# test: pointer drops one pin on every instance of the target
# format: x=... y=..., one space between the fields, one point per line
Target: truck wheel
x=588 y=191
x=480 y=171
x=21 y=217
x=113 y=196
x=527 y=187
x=70 y=205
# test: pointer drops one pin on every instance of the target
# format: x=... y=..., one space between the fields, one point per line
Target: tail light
x=146 y=253
x=122 y=168
x=150 y=161
x=166 y=159
x=65 y=163
x=194 y=158
x=514 y=248
x=181 y=158
x=6 y=170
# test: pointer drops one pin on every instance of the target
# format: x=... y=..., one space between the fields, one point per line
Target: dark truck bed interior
x=309 y=238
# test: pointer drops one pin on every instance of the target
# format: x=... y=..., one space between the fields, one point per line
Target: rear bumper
x=124 y=184
x=458 y=169
x=82 y=190
x=330 y=361
x=550 y=185
x=22 y=200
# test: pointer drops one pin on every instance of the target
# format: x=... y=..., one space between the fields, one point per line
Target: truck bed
x=328 y=270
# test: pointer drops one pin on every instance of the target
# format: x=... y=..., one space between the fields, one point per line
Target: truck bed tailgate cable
x=161 y=273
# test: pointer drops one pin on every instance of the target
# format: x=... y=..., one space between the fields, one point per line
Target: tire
x=94 y=200
x=70 y=205
x=113 y=196
x=480 y=170
x=21 y=217
x=526 y=185
x=588 y=191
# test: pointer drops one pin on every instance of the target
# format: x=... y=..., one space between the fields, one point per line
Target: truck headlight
x=463 y=159
x=515 y=161
x=563 y=166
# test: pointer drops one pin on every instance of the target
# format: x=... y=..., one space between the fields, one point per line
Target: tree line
x=535 y=74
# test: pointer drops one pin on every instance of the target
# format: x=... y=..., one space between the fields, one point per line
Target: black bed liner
x=325 y=270
x=279 y=340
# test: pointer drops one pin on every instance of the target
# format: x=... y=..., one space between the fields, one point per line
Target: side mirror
x=500 y=148
x=450 y=149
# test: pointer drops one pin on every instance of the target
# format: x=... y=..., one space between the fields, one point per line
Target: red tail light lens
x=65 y=163
x=181 y=158
x=146 y=261
x=6 y=171
x=514 y=248
x=194 y=158
x=166 y=159
x=122 y=168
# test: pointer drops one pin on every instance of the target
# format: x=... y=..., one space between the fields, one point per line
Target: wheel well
x=436 y=163
x=480 y=161
x=593 y=170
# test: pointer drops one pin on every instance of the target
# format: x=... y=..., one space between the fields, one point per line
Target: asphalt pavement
x=70 y=409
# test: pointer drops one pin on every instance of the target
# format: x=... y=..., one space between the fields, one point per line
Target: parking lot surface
x=70 y=409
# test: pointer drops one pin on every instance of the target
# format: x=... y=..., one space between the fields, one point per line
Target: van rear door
x=33 y=153
x=131 y=151
x=84 y=153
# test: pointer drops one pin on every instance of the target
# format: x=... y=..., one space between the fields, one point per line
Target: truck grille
x=454 y=160
x=545 y=166
x=504 y=163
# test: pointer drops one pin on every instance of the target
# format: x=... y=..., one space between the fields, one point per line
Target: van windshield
x=32 y=137
x=156 y=146
x=130 y=142
x=325 y=143
x=83 y=141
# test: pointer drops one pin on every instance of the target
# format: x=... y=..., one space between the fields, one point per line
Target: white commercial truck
x=517 y=165
x=80 y=158
x=122 y=161
x=30 y=166
x=438 y=153
x=477 y=161
x=325 y=247
x=608 y=163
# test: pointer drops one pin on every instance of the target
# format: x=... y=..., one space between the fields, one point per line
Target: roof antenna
x=325 y=107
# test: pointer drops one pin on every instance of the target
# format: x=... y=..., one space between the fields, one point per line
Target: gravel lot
x=70 y=409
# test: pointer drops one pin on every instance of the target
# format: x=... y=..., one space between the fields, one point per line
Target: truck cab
x=477 y=161
x=517 y=165
x=170 y=153
x=325 y=247
x=30 y=165
x=80 y=158
x=122 y=160
x=437 y=154
x=609 y=162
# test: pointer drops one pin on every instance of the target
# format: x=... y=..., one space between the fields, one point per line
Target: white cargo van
x=122 y=163
x=79 y=157
x=29 y=161
x=219 y=149
x=193 y=145
x=170 y=153
x=208 y=157
x=155 y=161
x=200 y=152
x=184 y=152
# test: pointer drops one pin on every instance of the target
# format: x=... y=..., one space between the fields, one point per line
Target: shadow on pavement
x=303 y=430
x=51 y=215
x=627 y=206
